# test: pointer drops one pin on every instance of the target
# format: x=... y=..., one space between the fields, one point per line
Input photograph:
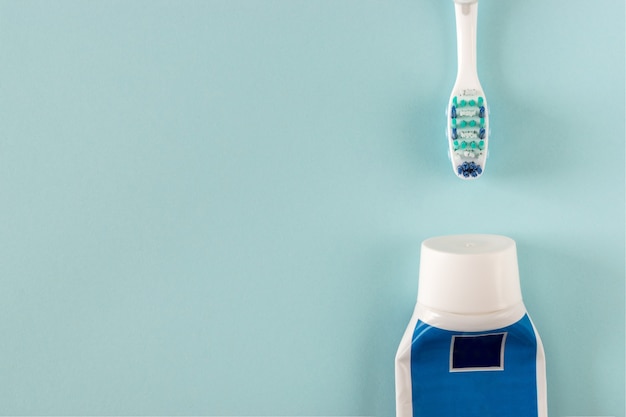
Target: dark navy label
x=477 y=353
x=474 y=374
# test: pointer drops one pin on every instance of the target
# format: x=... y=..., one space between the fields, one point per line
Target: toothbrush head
x=468 y=132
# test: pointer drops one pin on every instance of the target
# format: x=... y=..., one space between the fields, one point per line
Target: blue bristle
x=481 y=133
x=454 y=136
x=453 y=112
x=481 y=112
x=468 y=169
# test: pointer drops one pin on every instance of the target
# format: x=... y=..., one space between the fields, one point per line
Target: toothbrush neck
x=466 y=16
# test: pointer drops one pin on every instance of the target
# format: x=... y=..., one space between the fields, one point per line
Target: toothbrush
x=468 y=119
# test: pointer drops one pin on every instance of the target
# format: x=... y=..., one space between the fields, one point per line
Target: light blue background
x=216 y=207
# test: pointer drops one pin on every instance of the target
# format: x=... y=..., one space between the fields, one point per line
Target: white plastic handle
x=466 y=16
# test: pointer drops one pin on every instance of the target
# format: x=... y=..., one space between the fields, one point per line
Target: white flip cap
x=469 y=274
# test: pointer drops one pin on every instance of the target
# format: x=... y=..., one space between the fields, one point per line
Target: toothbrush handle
x=466 y=15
